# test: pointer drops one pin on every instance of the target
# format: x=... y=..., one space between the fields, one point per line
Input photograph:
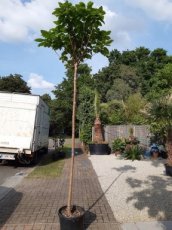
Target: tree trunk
x=169 y=145
x=73 y=142
x=98 y=132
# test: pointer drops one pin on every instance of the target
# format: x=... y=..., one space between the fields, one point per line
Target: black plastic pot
x=99 y=149
x=168 y=169
x=71 y=223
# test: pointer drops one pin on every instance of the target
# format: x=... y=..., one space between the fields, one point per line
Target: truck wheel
x=45 y=150
x=35 y=158
x=25 y=161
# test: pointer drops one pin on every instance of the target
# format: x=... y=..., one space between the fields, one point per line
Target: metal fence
x=142 y=132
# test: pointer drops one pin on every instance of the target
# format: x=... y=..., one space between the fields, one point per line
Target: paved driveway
x=8 y=170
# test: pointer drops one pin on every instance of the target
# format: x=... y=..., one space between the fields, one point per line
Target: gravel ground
x=135 y=190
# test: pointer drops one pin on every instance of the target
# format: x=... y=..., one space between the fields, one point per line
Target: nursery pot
x=168 y=169
x=71 y=223
x=99 y=149
x=155 y=155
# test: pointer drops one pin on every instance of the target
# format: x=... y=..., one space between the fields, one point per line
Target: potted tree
x=77 y=34
x=98 y=147
x=161 y=126
x=168 y=165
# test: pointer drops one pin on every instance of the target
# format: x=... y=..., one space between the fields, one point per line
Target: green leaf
x=77 y=32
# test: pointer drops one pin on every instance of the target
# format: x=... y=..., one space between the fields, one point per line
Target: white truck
x=24 y=126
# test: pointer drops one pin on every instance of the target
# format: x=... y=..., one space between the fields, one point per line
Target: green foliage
x=61 y=109
x=130 y=76
x=136 y=68
x=112 y=113
x=104 y=80
x=129 y=57
x=14 y=83
x=77 y=32
x=86 y=133
x=161 y=117
x=133 y=109
x=114 y=57
x=161 y=83
x=86 y=114
x=118 y=145
x=142 y=53
x=55 y=128
x=62 y=104
x=119 y=91
x=133 y=153
x=47 y=99
x=97 y=104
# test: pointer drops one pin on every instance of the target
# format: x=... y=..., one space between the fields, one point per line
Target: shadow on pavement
x=153 y=194
x=125 y=168
x=158 y=162
x=89 y=217
x=55 y=155
x=9 y=200
x=122 y=170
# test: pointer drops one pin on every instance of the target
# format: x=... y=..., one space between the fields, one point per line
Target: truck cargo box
x=24 y=125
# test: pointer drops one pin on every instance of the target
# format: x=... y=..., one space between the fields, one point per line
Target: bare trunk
x=169 y=145
x=98 y=132
x=73 y=142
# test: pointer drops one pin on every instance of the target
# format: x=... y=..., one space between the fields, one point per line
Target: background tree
x=117 y=90
x=55 y=126
x=14 y=83
x=161 y=83
x=130 y=76
x=113 y=113
x=134 y=106
x=62 y=104
x=160 y=117
x=47 y=99
x=78 y=34
x=104 y=80
x=86 y=114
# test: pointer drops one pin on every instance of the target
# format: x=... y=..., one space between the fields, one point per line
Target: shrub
x=133 y=153
x=118 y=145
x=86 y=133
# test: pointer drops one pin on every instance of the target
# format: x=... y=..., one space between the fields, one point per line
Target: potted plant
x=132 y=150
x=133 y=153
x=168 y=165
x=131 y=140
x=161 y=126
x=118 y=146
x=99 y=146
x=77 y=35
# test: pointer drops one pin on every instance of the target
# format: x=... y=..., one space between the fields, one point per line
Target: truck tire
x=45 y=150
x=35 y=158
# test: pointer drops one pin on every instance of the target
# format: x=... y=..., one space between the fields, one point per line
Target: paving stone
x=34 y=203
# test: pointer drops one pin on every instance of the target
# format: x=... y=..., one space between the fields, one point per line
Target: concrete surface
x=136 y=191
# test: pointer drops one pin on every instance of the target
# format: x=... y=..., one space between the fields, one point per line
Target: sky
x=133 y=23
